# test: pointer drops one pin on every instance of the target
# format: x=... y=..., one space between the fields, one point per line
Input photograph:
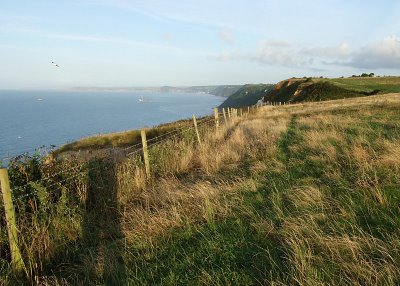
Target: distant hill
x=247 y=95
x=225 y=90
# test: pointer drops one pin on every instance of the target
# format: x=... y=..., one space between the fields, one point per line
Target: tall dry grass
x=312 y=187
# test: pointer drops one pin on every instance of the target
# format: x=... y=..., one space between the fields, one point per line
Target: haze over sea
x=31 y=119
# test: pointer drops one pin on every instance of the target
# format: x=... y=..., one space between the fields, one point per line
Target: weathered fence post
x=216 y=118
x=145 y=154
x=197 y=130
x=11 y=221
x=229 y=113
x=223 y=111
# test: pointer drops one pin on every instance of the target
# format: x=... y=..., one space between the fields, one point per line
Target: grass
x=291 y=195
x=120 y=140
x=367 y=84
x=322 y=89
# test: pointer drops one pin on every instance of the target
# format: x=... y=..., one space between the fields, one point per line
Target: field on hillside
x=369 y=84
x=304 y=194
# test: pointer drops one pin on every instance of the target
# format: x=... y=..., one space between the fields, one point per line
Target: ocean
x=33 y=119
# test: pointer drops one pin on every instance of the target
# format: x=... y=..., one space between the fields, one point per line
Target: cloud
x=379 y=55
x=226 y=35
x=282 y=53
x=384 y=55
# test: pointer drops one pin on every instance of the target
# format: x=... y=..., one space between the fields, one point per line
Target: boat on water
x=141 y=99
x=39 y=99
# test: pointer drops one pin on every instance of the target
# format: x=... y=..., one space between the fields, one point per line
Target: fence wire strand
x=83 y=168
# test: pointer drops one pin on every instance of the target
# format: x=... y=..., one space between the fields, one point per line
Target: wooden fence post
x=223 y=111
x=145 y=154
x=216 y=118
x=197 y=130
x=11 y=221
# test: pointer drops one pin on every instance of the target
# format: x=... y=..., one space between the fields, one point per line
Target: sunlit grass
x=292 y=195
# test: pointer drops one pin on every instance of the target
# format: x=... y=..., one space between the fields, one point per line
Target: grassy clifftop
x=292 y=195
x=316 y=89
x=313 y=89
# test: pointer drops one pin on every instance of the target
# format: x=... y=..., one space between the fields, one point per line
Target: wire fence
x=137 y=148
x=58 y=179
x=81 y=168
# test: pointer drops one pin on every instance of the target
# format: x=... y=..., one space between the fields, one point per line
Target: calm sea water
x=27 y=123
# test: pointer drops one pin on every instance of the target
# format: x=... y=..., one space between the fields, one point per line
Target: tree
x=371 y=74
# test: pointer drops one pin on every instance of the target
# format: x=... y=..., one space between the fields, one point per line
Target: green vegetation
x=292 y=90
x=248 y=95
x=293 y=195
x=122 y=139
x=369 y=84
x=317 y=89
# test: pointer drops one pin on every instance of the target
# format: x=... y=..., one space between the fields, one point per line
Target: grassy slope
x=321 y=89
x=322 y=208
x=246 y=96
x=122 y=139
x=293 y=195
x=383 y=84
x=316 y=89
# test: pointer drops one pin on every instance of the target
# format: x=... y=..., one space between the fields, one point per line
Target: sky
x=114 y=43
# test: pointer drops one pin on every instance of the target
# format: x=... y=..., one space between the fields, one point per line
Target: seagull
x=56 y=65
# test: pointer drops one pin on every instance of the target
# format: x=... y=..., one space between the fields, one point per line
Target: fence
x=13 y=193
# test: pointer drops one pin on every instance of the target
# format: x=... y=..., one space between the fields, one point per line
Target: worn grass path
x=292 y=195
x=322 y=209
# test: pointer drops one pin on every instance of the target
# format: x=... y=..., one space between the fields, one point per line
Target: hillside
x=312 y=89
x=247 y=95
x=302 y=194
x=316 y=89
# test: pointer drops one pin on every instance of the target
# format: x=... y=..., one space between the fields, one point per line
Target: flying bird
x=54 y=64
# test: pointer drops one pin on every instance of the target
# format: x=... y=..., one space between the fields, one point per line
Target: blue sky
x=154 y=42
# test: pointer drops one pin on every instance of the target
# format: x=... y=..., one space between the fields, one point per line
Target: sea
x=40 y=119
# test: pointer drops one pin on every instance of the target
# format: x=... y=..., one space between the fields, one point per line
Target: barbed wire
x=132 y=146
x=166 y=136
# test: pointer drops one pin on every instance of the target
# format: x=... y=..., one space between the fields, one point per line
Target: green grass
x=257 y=245
x=321 y=89
x=369 y=84
x=122 y=139
x=290 y=195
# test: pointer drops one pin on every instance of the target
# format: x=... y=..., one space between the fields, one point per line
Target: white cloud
x=379 y=55
x=226 y=35
x=384 y=54
x=283 y=53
